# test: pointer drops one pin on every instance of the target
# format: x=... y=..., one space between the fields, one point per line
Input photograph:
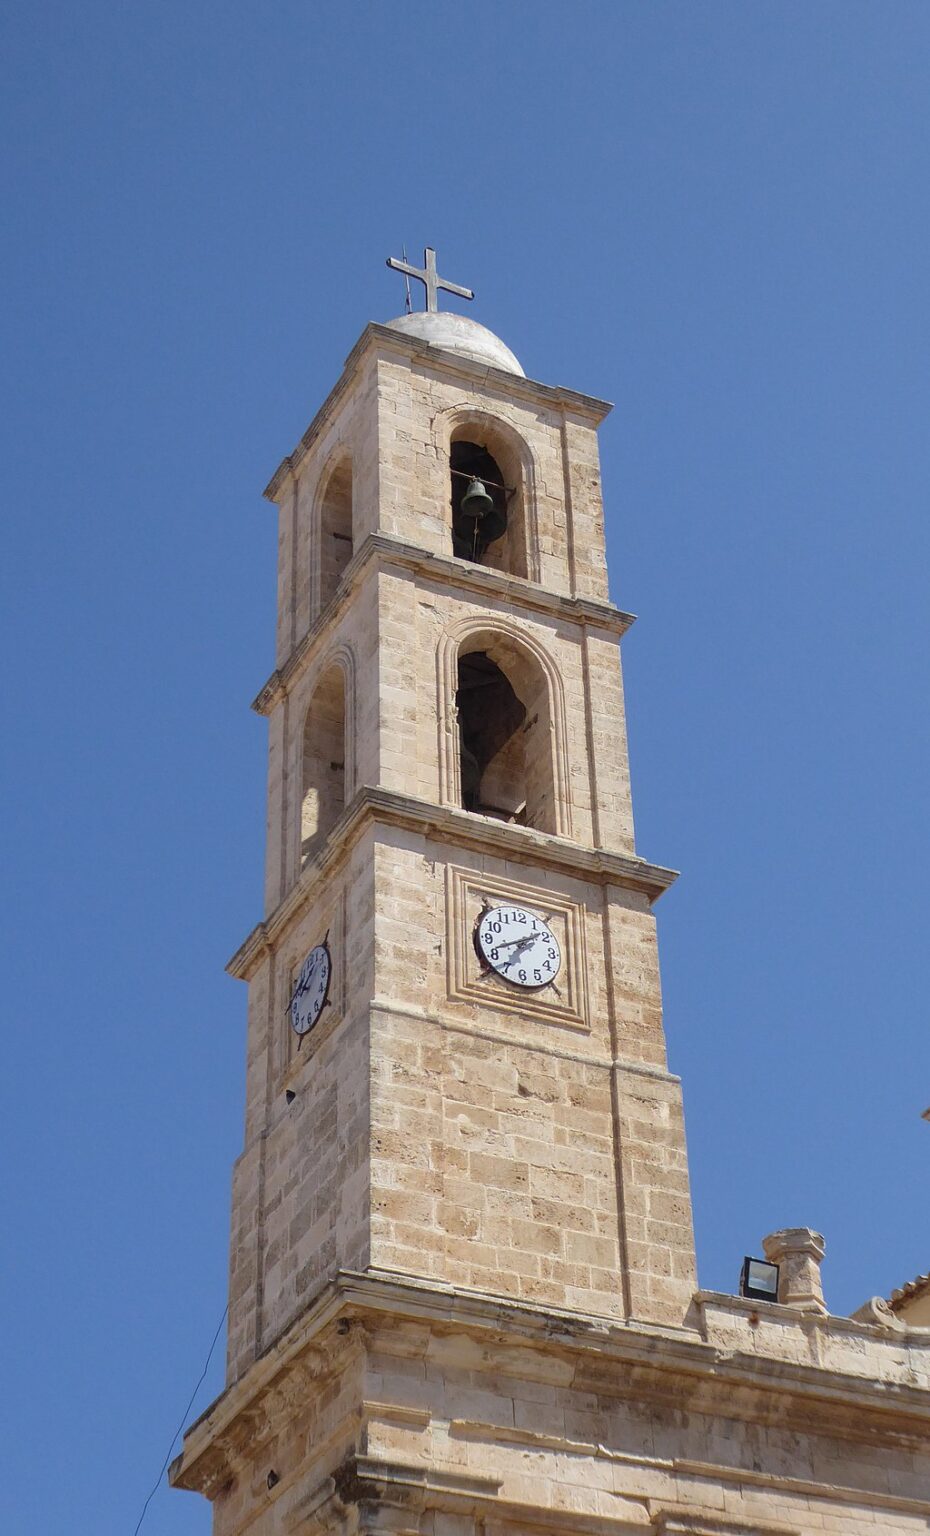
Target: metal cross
x=428 y=277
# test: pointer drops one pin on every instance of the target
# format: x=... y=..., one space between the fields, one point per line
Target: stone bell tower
x=461 y=1221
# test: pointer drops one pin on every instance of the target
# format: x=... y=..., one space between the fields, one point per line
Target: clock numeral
x=530 y=957
x=309 y=996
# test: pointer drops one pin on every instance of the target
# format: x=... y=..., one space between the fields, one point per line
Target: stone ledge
x=382 y=552
x=645 y=1361
x=680 y=1522
x=416 y=1489
x=714 y=1472
x=777 y=1311
x=458 y=829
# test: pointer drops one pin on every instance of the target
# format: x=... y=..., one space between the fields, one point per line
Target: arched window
x=323 y=789
x=335 y=528
x=488 y=521
x=505 y=737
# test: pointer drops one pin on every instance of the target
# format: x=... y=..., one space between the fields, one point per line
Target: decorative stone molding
x=339 y=655
x=459 y=829
x=877 y=1312
x=466 y=892
x=798 y=1252
x=680 y=1523
x=520 y=638
x=337 y=458
x=363 y=1479
x=653 y=1363
x=225 y=1439
x=386 y=553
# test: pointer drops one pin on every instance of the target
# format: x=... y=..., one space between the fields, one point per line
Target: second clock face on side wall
x=311 y=990
x=518 y=945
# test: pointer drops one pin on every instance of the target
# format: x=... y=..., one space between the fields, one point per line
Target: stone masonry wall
x=416 y=621
x=419 y=402
x=519 y=1147
x=301 y=1186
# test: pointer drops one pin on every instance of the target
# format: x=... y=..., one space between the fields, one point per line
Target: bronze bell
x=476 y=502
x=490 y=521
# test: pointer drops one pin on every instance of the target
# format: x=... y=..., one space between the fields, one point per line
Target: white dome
x=456 y=333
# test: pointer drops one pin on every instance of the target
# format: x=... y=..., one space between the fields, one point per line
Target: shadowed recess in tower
x=335 y=528
x=502 y=704
x=490 y=529
x=324 y=757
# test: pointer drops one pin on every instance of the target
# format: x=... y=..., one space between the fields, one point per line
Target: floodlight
x=758 y=1280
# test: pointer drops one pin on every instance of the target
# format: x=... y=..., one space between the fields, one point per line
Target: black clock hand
x=523 y=944
x=305 y=986
x=509 y=943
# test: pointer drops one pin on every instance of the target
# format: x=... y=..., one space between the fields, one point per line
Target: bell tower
x=473 y=1120
x=462 y=1293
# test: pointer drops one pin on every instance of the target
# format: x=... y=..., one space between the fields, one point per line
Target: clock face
x=518 y=945
x=311 y=989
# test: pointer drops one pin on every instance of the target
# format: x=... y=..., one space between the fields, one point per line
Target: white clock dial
x=518 y=945
x=311 y=989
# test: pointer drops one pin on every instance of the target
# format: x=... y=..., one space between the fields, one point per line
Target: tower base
x=402 y=1406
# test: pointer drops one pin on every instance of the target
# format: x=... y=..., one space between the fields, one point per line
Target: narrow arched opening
x=335 y=528
x=487 y=499
x=504 y=737
x=324 y=762
x=491 y=747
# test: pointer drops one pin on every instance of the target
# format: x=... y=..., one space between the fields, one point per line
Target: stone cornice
x=628 y=1359
x=368 y=1480
x=385 y=553
x=374 y=1480
x=291 y=462
x=383 y=340
x=459 y=829
x=418 y=1489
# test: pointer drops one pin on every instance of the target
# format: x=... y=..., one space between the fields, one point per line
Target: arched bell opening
x=335 y=528
x=488 y=524
x=504 y=737
x=324 y=762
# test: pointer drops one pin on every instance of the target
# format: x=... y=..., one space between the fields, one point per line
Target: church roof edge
x=909 y=1292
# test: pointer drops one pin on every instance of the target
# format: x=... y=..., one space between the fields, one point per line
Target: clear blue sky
x=716 y=215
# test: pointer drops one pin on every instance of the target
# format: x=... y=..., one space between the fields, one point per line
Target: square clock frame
x=468 y=893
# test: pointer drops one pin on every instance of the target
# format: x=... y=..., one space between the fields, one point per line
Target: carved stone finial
x=798 y=1252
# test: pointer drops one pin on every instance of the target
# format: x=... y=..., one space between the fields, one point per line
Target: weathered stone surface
x=798 y=1252
x=391 y=1396
x=462 y=1278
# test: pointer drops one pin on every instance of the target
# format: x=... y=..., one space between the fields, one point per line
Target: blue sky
x=715 y=215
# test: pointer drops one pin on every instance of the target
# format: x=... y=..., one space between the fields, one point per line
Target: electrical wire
x=407 y=281
x=206 y=1366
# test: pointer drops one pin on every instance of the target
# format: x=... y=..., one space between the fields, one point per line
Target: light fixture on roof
x=758 y=1280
